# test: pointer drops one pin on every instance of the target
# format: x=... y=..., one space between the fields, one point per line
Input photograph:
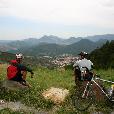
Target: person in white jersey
x=82 y=64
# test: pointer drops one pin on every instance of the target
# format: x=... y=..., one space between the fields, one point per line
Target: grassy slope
x=43 y=79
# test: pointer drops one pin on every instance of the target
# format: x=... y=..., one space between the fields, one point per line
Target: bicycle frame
x=90 y=83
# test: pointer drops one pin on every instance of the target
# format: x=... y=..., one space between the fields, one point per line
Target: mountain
x=50 y=39
x=31 y=41
x=71 y=40
x=84 y=44
x=4 y=46
x=101 y=37
x=5 y=41
x=57 y=40
x=43 y=49
x=12 y=46
x=34 y=41
x=26 y=43
x=55 y=49
x=23 y=43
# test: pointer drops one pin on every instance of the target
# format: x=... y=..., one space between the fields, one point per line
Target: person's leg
x=77 y=75
x=24 y=74
x=20 y=77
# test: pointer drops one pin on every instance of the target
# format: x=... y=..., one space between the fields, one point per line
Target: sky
x=21 y=19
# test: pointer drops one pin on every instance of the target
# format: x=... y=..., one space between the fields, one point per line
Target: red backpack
x=11 y=71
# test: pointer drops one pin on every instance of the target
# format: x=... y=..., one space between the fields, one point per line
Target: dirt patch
x=18 y=106
x=56 y=95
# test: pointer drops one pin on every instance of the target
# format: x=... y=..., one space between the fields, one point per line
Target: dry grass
x=56 y=95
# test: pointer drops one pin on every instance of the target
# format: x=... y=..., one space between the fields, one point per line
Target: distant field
x=44 y=79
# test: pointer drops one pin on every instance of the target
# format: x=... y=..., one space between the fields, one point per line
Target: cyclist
x=19 y=57
x=83 y=67
x=17 y=71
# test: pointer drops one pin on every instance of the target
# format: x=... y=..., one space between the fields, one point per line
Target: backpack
x=11 y=72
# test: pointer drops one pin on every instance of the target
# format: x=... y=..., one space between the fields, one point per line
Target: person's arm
x=75 y=64
x=92 y=69
x=92 y=66
x=23 y=67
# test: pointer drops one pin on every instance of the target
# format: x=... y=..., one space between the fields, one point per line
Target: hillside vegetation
x=104 y=57
x=44 y=79
x=56 y=49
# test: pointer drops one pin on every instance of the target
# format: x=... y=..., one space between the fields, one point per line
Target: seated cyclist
x=17 y=71
x=83 y=67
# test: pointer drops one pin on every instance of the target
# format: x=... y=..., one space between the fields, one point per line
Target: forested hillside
x=56 y=49
x=104 y=57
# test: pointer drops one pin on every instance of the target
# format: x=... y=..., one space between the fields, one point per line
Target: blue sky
x=20 y=19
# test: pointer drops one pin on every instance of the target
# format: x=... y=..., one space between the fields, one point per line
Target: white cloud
x=3 y=4
x=67 y=12
x=108 y=3
x=64 y=18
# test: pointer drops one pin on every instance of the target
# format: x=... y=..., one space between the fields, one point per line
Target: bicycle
x=85 y=96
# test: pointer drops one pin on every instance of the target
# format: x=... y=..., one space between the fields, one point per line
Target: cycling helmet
x=19 y=56
x=83 y=53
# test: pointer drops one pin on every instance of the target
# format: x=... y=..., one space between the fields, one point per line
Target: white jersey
x=83 y=63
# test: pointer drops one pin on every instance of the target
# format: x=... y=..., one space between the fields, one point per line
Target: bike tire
x=80 y=103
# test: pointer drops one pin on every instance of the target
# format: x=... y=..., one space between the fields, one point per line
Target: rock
x=56 y=95
x=12 y=85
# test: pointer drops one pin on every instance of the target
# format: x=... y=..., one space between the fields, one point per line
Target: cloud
x=3 y=4
x=108 y=3
x=68 y=12
x=80 y=14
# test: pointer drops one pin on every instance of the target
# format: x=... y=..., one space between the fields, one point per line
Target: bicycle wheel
x=81 y=102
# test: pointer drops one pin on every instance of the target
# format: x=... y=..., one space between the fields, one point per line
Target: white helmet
x=19 y=56
x=83 y=53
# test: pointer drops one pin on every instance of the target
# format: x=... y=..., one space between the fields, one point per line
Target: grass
x=44 y=79
x=107 y=75
x=8 y=111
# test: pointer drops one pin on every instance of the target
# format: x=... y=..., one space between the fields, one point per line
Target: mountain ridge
x=28 y=43
x=57 y=49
